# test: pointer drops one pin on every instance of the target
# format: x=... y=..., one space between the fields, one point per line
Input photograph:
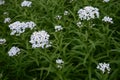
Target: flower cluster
x=7 y=20
x=13 y=51
x=79 y=24
x=107 y=19
x=106 y=0
x=40 y=39
x=103 y=67
x=88 y=13
x=58 y=28
x=26 y=3
x=2 y=41
x=58 y=17
x=66 y=13
x=59 y=63
x=2 y=2
x=19 y=27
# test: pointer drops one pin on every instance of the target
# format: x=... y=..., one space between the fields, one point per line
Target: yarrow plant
x=88 y=13
x=59 y=39
x=2 y=2
x=58 y=28
x=40 y=39
x=19 y=27
x=107 y=19
x=26 y=3
x=103 y=67
x=14 y=51
x=59 y=63
x=2 y=41
x=7 y=20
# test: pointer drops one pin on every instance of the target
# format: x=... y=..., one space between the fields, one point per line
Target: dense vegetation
x=81 y=47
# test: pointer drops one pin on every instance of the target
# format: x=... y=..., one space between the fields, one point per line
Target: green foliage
x=81 y=49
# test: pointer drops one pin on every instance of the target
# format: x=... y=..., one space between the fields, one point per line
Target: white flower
x=30 y=25
x=40 y=39
x=6 y=13
x=103 y=67
x=7 y=20
x=88 y=13
x=26 y=3
x=58 y=28
x=106 y=0
x=58 y=17
x=107 y=19
x=2 y=41
x=2 y=2
x=59 y=63
x=79 y=24
x=13 y=51
x=66 y=12
x=19 y=27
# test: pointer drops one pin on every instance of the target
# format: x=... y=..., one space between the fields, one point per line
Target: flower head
x=19 y=27
x=66 y=12
x=106 y=0
x=107 y=19
x=59 y=63
x=26 y=3
x=88 y=13
x=58 y=28
x=6 y=13
x=30 y=24
x=2 y=41
x=103 y=67
x=2 y=2
x=40 y=39
x=7 y=20
x=58 y=17
x=79 y=24
x=13 y=51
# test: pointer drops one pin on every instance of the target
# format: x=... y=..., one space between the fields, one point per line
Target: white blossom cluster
x=107 y=19
x=19 y=27
x=58 y=28
x=40 y=39
x=59 y=63
x=106 y=0
x=2 y=41
x=26 y=3
x=66 y=13
x=103 y=67
x=7 y=20
x=88 y=13
x=58 y=17
x=13 y=51
x=2 y=2
x=79 y=24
